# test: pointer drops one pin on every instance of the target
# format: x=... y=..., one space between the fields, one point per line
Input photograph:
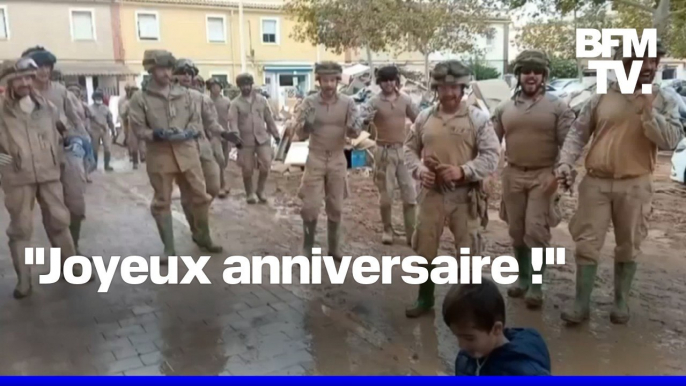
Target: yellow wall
x=183 y=31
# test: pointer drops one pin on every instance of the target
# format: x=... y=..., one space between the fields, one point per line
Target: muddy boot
x=203 y=238
x=261 y=182
x=95 y=157
x=410 y=216
x=24 y=287
x=534 y=296
x=75 y=230
x=425 y=300
x=387 y=237
x=249 y=195
x=309 y=231
x=333 y=230
x=107 y=162
x=585 y=278
x=166 y=229
x=624 y=275
x=222 y=194
x=134 y=160
x=523 y=256
x=190 y=220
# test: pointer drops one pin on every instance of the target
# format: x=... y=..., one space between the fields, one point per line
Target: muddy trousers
x=102 y=136
x=73 y=182
x=20 y=201
x=324 y=179
x=627 y=205
x=248 y=157
x=193 y=186
x=220 y=150
x=530 y=213
x=135 y=146
x=210 y=171
x=390 y=171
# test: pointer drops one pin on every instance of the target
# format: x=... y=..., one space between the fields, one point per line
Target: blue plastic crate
x=358 y=159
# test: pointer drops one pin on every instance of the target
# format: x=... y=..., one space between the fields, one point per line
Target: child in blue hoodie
x=475 y=313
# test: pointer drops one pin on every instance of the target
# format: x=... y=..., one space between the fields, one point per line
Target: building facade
x=82 y=34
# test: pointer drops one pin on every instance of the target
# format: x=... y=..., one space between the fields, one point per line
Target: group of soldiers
x=451 y=148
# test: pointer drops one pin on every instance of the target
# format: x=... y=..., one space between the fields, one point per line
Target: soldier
x=76 y=139
x=389 y=111
x=251 y=117
x=136 y=148
x=625 y=132
x=102 y=127
x=29 y=173
x=532 y=119
x=221 y=148
x=327 y=118
x=165 y=116
x=185 y=73
x=84 y=114
x=451 y=148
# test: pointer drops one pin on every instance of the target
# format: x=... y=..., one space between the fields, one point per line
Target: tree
x=482 y=71
x=562 y=68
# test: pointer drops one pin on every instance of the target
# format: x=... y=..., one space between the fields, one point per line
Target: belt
x=528 y=168
x=606 y=176
x=390 y=145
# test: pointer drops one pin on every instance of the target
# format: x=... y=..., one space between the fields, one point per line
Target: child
x=475 y=313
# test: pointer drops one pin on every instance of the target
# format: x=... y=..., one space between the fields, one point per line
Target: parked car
x=678 y=173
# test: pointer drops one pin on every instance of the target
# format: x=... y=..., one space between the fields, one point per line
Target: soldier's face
x=648 y=69
x=21 y=86
x=215 y=89
x=388 y=86
x=328 y=83
x=43 y=74
x=531 y=80
x=186 y=80
x=246 y=89
x=162 y=75
x=450 y=95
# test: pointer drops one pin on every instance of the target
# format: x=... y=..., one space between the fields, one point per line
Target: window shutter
x=147 y=27
x=82 y=25
x=215 y=29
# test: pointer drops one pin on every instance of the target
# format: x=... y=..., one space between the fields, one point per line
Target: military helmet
x=41 y=56
x=244 y=79
x=212 y=81
x=387 y=73
x=98 y=94
x=531 y=58
x=619 y=51
x=161 y=58
x=328 y=68
x=185 y=66
x=73 y=85
x=12 y=69
x=450 y=72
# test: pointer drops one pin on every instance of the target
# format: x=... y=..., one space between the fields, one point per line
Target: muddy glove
x=232 y=137
x=182 y=135
x=5 y=159
x=159 y=134
x=277 y=141
x=565 y=175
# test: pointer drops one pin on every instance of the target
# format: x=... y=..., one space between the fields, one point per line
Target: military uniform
x=30 y=148
x=135 y=147
x=102 y=126
x=389 y=115
x=327 y=124
x=464 y=139
x=625 y=133
x=221 y=148
x=252 y=118
x=530 y=200
x=167 y=119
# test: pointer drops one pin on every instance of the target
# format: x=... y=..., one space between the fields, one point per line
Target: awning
x=288 y=68
x=94 y=69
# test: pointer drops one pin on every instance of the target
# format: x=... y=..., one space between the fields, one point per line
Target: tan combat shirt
x=333 y=121
x=157 y=108
x=624 y=136
x=58 y=95
x=222 y=104
x=32 y=140
x=534 y=129
x=465 y=139
x=390 y=116
x=252 y=119
x=101 y=118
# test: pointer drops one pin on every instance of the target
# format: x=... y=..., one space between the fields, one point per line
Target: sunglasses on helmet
x=25 y=64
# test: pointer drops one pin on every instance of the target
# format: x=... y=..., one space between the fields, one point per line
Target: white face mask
x=98 y=102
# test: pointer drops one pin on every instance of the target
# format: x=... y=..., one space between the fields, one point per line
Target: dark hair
x=387 y=73
x=479 y=304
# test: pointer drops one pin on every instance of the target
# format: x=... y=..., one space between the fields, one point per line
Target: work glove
x=5 y=159
x=182 y=135
x=277 y=141
x=232 y=137
x=565 y=175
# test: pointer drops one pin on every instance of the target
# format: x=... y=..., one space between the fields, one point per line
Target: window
x=82 y=24
x=148 y=26
x=4 y=25
x=221 y=77
x=669 y=72
x=216 y=29
x=270 y=31
x=286 y=80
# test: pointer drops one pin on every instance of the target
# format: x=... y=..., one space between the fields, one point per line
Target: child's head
x=475 y=313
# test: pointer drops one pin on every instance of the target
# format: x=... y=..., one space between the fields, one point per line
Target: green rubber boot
x=534 y=296
x=333 y=230
x=410 y=217
x=203 y=238
x=521 y=286
x=166 y=229
x=581 y=311
x=108 y=156
x=624 y=276
x=425 y=300
x=309 y=231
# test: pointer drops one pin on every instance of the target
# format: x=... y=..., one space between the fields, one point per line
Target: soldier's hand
x=277 y=141
x=450 y=173
x=431 y=162
x=5 y=159
x=565 y=176
x=428 y=178
x=232 y=137
x=160 y=135
x=551 y=185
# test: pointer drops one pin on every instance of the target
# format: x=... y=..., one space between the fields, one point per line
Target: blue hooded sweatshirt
x=525 y=354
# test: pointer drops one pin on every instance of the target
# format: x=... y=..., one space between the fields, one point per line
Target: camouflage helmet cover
x=212 y=81
x=450 y=72
x=619 y=51
x=161 y=58
x=244 y=79
x=531 y=58
x=328 y=68
x=183 y=66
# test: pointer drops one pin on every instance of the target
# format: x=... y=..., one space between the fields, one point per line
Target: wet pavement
x=299 y=329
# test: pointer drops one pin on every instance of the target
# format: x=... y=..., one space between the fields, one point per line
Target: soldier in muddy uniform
x=327 y=118
x=221 y=148
x=532 y=119
x=389 y=111
x=625 y=133
x=77 y=146
x=30 y=167
x=102 y=127
x=135 y=147
x=451 y=148
x=76 y=95
x=251 y=116
x=166 y=116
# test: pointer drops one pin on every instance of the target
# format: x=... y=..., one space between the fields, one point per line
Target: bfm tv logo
x=603 y=42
